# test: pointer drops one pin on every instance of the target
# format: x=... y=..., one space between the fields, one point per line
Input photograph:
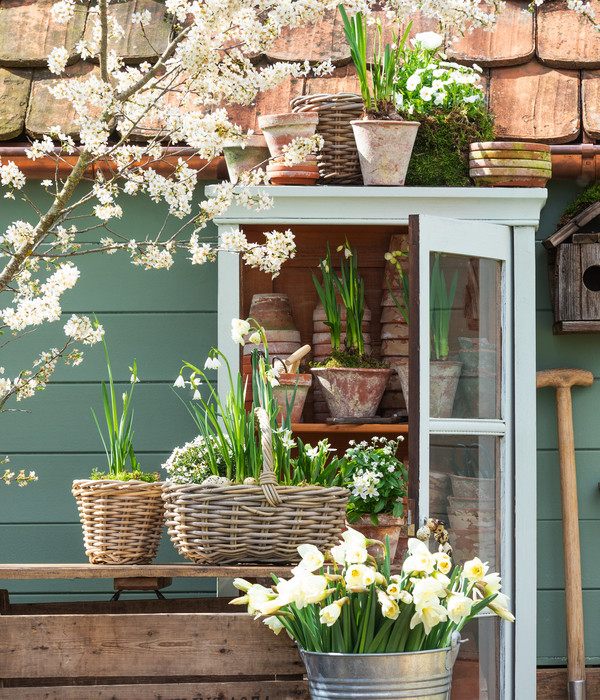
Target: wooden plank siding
x=564 y=351
x=158 y=317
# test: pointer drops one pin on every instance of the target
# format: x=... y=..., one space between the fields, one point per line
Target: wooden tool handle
x=293 y=360
x=563 y=377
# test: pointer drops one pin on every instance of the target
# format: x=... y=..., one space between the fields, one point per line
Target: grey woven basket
x=338 y=159
x=253 y=524
x=122 y=520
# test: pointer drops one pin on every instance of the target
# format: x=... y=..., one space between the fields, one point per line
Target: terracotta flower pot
x=284 y=392
x=510 y=164
x=388 y=525
x=384 y=149
x=352 y=392
x=443 y=382
x=281 y=129
x=239 y=159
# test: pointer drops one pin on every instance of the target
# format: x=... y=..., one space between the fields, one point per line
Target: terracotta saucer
x=509 y=172
x=509 y=163
x=529 y=155
x=510 y=145
x=503 y=181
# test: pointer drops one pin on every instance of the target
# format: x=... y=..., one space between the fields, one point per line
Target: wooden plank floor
x=552 y=683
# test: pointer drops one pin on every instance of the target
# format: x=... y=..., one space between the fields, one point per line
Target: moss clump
x=340 y=358
x=127 y=476
x=440 y=156
x=589 y=196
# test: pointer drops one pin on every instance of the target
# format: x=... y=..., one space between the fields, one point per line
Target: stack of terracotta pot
x=321 y=348
x=280 y=130
x=510 y=164
x=274 y=313
x=394 y=335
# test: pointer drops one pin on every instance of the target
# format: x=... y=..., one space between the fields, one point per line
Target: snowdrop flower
x=179 y=382
x=212 y=363
x=196 y=395
x=239 y=328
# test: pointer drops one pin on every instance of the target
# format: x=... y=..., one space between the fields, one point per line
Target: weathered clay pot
x=388 y=525
x=272 y=312
x=510 y=164
x=281 y=129
x=352 y=392
x=239 y=159
x=285 y=391
x=471 y=518
x=473 y=487
x=443 y=382
x=384 y=149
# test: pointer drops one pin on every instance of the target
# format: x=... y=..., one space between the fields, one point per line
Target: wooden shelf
x=386 y=429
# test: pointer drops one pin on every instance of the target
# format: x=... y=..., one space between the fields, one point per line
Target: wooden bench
x=186 y=649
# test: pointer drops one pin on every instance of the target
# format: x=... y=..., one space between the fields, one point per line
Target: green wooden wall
x=565 y=351
x=159 y=317
x=163 y=317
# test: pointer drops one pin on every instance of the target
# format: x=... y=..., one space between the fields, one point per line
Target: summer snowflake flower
x=212 y=363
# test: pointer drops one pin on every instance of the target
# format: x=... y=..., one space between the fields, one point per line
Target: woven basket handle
x=267 y=479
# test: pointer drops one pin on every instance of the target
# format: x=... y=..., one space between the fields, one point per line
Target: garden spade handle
x=562 y=380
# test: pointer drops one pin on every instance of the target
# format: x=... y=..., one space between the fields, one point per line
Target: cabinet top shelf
x=336 y=205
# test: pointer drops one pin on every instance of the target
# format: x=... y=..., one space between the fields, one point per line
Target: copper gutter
x=579 y=161
x=43 y=168
x=576 y=161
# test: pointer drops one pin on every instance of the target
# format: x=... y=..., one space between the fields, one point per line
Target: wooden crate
x=196 y=649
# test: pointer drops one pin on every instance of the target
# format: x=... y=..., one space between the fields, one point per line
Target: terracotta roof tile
x=274 y=101
x=44 y=110
x=566 y=40
x=320 y=41
x=343 y=79
x=511 y=42
x=535 y=103
x=14 y=94
x=531 y=101
x=28 y=33
x=590 y=102
x=138 y=45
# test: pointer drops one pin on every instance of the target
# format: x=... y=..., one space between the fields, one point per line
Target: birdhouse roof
x=573 y=226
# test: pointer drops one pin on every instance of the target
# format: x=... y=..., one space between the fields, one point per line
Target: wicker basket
x=122 y=520
x=338 y=159
x=253 y=524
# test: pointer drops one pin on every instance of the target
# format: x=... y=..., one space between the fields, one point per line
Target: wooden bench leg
x=4 y=602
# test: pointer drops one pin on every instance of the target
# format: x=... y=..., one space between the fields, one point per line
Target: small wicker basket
x=338 y=159
x=249 y=524
x=122 y=520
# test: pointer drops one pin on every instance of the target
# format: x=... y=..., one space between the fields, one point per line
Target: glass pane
x=463 y=478
x=465 y=369
x=464 y=493
x=476 y=671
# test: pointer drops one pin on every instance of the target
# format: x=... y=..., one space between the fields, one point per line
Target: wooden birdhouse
x=574 y=258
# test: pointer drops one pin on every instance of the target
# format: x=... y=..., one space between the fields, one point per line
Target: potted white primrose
x=365 y=632
x=384 y=139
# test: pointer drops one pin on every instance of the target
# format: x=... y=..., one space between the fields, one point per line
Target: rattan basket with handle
x=122 y=520
x=248 y=524
x=338 y=159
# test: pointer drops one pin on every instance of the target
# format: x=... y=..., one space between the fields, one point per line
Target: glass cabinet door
x=459 y=425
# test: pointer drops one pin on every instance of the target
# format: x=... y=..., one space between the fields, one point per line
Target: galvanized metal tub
x=401 y=676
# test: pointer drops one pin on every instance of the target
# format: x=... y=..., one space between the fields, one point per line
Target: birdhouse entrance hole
x=591 y=278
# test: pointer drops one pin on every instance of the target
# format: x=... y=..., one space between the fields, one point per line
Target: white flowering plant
x=376 y=478
x=191 y=463
x=228 y=449
x=426 y=82
x=448 y=101
x=346 y=601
